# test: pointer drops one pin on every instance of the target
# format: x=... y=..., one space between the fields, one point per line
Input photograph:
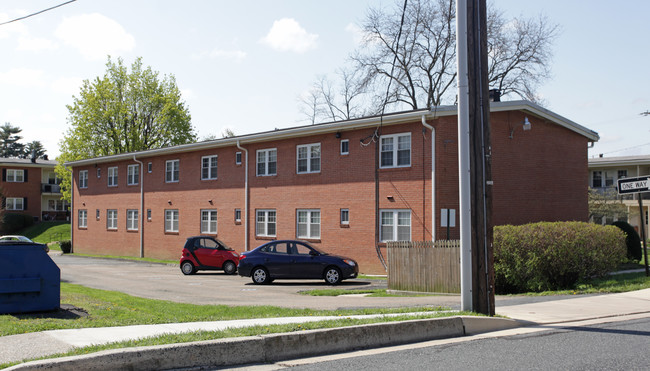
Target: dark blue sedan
x=294 y=259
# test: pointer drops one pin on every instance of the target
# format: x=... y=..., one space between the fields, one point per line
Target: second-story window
x=83 y=179
x=15 y=175
x=208 y=167
x=172 y=171
x=309 y=158
x=133 y=174
x=597 y=179
x=267 y=162
x=395 y=150
x=112 y=176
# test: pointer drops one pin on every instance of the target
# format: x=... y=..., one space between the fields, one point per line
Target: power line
x=37 y=13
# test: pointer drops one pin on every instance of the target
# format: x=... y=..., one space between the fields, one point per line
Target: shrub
x=13 y=222
x=632 y=240
x=552 y=256
x=66 y=246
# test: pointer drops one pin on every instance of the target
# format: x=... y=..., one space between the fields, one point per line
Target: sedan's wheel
x=187 y=268
x=333 y=276
x=260 y=276
x=229 y=267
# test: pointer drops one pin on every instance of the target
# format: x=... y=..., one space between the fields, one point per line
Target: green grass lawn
x=46 y=232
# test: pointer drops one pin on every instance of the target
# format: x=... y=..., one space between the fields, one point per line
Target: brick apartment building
x=31 y=187
x=320 y=183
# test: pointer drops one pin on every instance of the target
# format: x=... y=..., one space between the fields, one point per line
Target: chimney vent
x=495 y=95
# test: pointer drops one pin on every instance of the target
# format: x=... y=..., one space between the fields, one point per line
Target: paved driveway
x=166 y=282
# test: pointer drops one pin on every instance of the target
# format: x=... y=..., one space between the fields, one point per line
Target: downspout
x=433 y=176
x=141 y=216
x=72 y=208
x=246 y=247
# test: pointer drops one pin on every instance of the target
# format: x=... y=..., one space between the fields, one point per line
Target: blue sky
x=243 y=64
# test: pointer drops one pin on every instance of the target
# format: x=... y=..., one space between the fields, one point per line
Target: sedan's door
x=307 y=262
x=277 y=259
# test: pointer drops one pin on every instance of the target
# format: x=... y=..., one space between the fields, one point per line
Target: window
x=111 y=219
x=171 y=220
x=345 y=147
x=149 y=167
x=83 y=179
x=97 y=214
x=208 y=221
x=171 y=171
x=17 y=176
x=57 y=205
x=395 y=225
x=133 y=174
x=395 y=150
x=208 y=167
x=112 y=176
x=99 y=172
x=308 y=224
x=238 y=158
x=265 y=226
x=149 y=214
x=609 y=179
x=345 y=216
x=267 y=162
x=309 y=158
x=597 y=179
x=622 y=174
x=14 y=203
x=237 y=215
x=132 y=220
x=83 y=219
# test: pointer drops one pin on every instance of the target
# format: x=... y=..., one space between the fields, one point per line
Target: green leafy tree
x=35 y=147
x=606 y=204
x=123 y=111
x=9 y=141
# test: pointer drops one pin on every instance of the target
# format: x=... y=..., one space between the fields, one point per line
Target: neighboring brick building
x=31 y=187
x=318 y=183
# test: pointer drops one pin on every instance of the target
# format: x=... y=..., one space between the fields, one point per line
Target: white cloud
x=23 y=77
x=35 y=44
x=287 y=35
x=11 y=28
x=67 y=85
x=357 y=33
x=95 y=35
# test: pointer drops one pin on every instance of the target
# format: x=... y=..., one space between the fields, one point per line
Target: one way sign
x=634 y=185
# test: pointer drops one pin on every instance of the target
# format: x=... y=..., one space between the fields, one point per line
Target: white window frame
x=209 y=219
x=394 y=150
x=210 y=168
x=111 y=219
x=112 y=176
x=345 y=220
x=172 y=171
x=83 y=178
x=345 y=151
x=13 y=202
x=266 y=161
x=82 y=219
x=309 y=158
x=262 y=225
x=133 y=174
x=238 y=158
x=172 y=219
x=395 y=224
x=15 y=176
x=149 y=167
x=310 y=221
x=237 y=215
x=132 y=219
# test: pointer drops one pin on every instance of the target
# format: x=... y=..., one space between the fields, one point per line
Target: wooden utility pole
x=480 y=160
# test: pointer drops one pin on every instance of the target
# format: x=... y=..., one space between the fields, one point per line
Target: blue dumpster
x=30 y=281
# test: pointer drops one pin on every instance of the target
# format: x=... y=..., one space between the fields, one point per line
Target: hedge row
x=13 y=222
x=552 y=256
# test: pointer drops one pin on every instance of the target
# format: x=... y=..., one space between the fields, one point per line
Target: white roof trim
x=332 y=127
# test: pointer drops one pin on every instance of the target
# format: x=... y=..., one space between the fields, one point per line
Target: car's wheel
x=187 y=268
x=260 y=276
x=333 y=276
x=229 y=267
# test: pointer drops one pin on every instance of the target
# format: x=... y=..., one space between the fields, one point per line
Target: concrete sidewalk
x=274 y=347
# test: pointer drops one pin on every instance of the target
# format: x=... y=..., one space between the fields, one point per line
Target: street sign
x=634 y=185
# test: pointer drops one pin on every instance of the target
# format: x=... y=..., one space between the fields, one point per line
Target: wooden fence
x=424 y=266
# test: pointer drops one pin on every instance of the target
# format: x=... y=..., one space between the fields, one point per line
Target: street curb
x=274 y=347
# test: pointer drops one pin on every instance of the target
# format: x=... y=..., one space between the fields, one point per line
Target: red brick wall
x=30 y=190
x=538 y=175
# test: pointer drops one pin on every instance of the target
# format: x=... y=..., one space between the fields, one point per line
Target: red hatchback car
x=207 y=253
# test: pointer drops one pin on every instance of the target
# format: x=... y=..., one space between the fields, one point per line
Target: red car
x=207 y=253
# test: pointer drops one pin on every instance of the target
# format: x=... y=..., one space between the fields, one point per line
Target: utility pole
x=474 y=136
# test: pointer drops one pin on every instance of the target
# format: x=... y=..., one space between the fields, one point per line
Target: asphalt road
x=611 y=346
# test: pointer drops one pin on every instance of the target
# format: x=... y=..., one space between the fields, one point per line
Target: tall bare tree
x=519 y=54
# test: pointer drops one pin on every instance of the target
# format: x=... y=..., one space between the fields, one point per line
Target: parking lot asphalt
x=166 y=282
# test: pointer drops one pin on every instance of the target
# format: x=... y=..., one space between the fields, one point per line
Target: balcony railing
x=630 y=196
x=50 y=188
